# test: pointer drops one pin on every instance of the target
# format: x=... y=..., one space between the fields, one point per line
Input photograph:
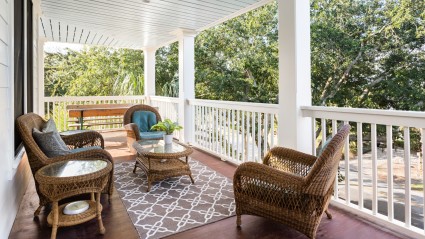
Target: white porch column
x=186 y=83
x=294 y=74
x=149 y=72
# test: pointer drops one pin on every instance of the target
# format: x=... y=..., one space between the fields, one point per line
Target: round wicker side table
x=69 y=178
x=160 y=161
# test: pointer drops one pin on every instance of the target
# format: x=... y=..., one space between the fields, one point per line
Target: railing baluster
x=216 y=131
x=313 y=132
x=213 y=140
x=259 y=136
x=221 y=130
x=334 y=129
x=407 y=176
x=272 y=131
x=360 y=162
x=248 y=122
x=243 y=136
x=266 y=133
x=347 y=168
x=389 y=131
x=374 y=169
x=253 y=136
x=233 y=133
x=197 y=124
x=228 y=133
x=238 y=158
x=423 y=171
x=323 y=132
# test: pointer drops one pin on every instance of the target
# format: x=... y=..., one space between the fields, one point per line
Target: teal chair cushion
x=77 y=150
x=152 y=135
x=144 y=120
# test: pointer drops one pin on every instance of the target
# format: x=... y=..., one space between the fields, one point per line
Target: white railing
x=168 y=108
x=235 y=131
x=56 y=107
x=381 y=175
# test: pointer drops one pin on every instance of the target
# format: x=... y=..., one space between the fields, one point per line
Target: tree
x=94 y=71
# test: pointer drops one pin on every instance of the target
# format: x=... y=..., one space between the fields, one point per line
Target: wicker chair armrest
x=132 y=131
x=88 y=154
x=251 y=173
x=84 y=139
x=289 y=160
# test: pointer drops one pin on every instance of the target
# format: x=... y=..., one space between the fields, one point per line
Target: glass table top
x=73 y=168
x=158 y=146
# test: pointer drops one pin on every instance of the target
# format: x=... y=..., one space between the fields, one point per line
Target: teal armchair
x=138 y=121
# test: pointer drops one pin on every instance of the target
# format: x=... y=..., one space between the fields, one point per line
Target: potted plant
x=168 y=127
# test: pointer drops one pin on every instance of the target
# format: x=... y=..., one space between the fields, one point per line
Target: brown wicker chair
x=38 y=159
x=131 y=128
x=290 y=187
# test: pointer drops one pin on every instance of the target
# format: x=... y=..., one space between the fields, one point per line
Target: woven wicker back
x=322 y=175
x=129 y=113
x=25 y=124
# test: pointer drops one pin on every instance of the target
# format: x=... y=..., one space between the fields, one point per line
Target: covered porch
x=118 y=223
x=379 y=189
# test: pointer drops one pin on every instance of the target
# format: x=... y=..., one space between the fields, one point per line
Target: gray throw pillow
x=49 y=126
x=49 y=140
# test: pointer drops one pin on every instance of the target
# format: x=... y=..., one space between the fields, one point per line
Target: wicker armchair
x=38 y=159
x=133 y=133
x=290 y=187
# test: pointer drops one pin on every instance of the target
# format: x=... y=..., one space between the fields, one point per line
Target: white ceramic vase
x=168 y=138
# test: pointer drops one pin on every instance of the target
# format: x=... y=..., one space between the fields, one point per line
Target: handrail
x=88 y=98
x=164 y=99
x=246 y=106
x=373 y=116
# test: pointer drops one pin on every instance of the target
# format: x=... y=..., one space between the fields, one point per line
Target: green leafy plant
x=167 y=126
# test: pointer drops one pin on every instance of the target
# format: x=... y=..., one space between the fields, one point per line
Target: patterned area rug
x=174 y=205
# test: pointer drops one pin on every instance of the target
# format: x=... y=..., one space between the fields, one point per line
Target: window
x=23 y=70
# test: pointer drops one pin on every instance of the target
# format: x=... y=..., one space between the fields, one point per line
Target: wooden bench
x=104 y=114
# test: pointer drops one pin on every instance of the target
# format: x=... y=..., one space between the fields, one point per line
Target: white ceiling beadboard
x=134 y=23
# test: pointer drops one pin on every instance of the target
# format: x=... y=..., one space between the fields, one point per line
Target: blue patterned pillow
x=49 y=140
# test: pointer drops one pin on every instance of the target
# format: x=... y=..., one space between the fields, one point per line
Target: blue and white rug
x=175 y=204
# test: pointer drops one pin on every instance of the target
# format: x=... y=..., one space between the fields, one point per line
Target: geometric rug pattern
x=175 y=204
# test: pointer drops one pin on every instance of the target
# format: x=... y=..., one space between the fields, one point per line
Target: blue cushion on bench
x=77 y=150
x=152 y=135
x=144 y=120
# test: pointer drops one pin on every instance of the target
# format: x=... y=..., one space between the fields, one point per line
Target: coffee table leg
x=191 y=178
x=99 y=214
x=55 y=211
x=149 y=184
x=135 y=166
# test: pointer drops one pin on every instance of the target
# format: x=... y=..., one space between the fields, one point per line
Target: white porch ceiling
x=134 y=23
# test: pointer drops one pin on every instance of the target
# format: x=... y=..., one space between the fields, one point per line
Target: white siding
x=4 y=53
x=3 y=30
x=3 y=77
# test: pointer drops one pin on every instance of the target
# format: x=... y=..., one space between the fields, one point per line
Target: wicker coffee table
x=69 y=178
x=161 y=161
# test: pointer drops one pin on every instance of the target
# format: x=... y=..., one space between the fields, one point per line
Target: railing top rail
x=385 y=117
x=246 y=106
x=164 y=99
x=89 y=98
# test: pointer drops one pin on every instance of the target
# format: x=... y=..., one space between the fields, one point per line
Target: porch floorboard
x=119 y=226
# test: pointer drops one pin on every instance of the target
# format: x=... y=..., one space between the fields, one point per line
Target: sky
x=56 y=47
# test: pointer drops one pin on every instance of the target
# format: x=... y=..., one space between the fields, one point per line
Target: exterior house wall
x=14 y=173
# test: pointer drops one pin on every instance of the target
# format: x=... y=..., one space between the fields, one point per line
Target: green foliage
x=167 y=126
x=166 y=70
x=238 y=60
x=368 y=54
x=95 y=71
